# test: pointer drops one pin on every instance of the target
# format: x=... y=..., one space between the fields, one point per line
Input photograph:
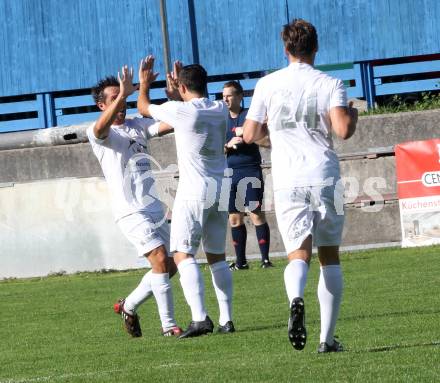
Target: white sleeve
x=91 y=135
x=167 y=112
x=153 y=130
x=112 y=141
x=148 y=125
x=257 y=111
x=96 y=143
x=338 y=96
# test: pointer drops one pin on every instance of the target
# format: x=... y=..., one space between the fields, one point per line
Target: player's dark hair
x=195 y=78
x=98 y=89
x=300 y=38
x=234 y=84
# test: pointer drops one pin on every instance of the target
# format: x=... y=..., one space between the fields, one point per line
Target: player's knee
x=328 y=255
x=236 y=219
x=214 y=258
x=159 y=260
x=258 y=217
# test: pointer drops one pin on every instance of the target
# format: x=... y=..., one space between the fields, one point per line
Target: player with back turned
x=303 y=107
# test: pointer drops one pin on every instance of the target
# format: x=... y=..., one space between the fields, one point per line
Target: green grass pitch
x=63 y=329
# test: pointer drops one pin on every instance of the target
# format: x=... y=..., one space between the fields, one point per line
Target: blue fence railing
x=363 y=80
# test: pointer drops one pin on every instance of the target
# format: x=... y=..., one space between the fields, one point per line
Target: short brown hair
x=194 y=77
x=300 y=38
x=99 y=88
x=234 y=84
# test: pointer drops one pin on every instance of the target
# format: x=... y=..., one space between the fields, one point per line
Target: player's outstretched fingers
x=123 y=73
x=142 y=66
x=176 y=69
x=149 y=61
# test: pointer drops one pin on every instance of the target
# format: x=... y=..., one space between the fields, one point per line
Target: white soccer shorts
x=146 y=231
x=314 y=210
x=192 y=222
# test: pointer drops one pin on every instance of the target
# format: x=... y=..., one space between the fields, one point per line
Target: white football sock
x=193 y=288
x=330 y=288
x=161 y=286
x=139 y=295
x=295 y=278
x=222 y=281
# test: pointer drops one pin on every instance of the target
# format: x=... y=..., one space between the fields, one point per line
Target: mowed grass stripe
x=62 y=329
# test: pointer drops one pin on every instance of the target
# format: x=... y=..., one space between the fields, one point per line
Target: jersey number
x=305 y=113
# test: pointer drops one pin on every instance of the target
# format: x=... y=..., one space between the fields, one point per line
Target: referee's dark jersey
x=246 y=155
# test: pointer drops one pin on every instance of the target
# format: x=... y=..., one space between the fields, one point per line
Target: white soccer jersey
x=200 y=132
x=297 y=100
x=126 y=166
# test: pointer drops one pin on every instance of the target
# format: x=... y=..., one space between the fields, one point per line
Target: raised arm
x=108 y=116
x=344 y=120
x=172 y=89
x=146 y=78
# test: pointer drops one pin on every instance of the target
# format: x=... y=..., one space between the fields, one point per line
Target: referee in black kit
x=245 y=161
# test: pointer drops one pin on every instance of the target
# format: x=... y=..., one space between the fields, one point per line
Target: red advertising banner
x=418 y=190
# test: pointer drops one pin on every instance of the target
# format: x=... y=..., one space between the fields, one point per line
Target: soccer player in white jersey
x=200 y=129
x=304 y=106
x=120 y=146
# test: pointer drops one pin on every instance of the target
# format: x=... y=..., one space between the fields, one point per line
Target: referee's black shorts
x=247 y=189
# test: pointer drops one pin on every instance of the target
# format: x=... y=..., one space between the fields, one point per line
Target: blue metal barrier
x=378 y=80
x=34 y=108
x=352 y=78
x=363 y=80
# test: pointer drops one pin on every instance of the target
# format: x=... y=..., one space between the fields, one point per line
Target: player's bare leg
x=330 y=288
x=257 y=217
x=236 y=219
x=172 y=267
x=222 y=282
x=194 y=290
x=295 y=278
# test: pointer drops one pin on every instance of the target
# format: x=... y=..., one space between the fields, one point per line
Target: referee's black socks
x=263 y=238
x=239 y=236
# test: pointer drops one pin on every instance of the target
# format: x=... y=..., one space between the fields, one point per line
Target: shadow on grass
x=350 y=257
x=398 y=347
x=388 y=314
x=262 y=328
